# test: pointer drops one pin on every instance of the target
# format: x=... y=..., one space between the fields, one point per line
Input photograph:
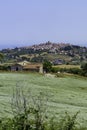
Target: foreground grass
x=65 y=94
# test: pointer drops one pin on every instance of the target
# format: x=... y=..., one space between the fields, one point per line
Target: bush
x=84 y=66
x=47 y=66
x=67 y=70
x=84 y=69
x=5 y=68
x=74 y=70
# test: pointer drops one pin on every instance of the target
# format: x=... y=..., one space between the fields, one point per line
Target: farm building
x=16 y=67
x=58 y=62
x=34 y=68
x=25 y=66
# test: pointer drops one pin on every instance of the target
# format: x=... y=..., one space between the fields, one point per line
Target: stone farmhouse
x=27 y=66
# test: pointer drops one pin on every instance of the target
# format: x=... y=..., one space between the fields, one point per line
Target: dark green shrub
x=84 y=69
x=74 y=70
x=5 y=67
x=47 y=66
x=67 y=70
x=84 y=66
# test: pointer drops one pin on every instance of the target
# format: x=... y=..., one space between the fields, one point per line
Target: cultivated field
x=65 y=94
x=67 y=66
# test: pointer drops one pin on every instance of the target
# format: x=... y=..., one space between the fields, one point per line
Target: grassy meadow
x=64 y=94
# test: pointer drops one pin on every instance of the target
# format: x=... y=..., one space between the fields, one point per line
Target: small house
x=58 y=62
x=16 y=67
x=33 y=68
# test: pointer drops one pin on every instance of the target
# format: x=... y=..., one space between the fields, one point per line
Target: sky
x=27 y=22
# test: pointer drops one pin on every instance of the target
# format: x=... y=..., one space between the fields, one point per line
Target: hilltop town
x=57 y=53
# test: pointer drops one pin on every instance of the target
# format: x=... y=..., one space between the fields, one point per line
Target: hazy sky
x=25 y=22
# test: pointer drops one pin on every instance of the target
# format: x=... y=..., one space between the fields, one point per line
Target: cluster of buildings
x=25 y=66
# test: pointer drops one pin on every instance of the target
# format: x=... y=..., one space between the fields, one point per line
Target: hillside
x=60 y=53
x=64 y=94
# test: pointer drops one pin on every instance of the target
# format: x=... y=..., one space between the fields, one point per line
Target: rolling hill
x=67 y=53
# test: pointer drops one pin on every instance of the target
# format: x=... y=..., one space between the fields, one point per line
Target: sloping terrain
x=64 y=94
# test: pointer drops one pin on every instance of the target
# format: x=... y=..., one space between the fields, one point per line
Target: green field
x=65 y=94
x=67 y=66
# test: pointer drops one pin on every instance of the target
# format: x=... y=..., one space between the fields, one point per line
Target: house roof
x=23 y=63
x=16 y=65
x=32 y=66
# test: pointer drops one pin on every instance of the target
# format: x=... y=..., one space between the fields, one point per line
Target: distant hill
x=66 y=53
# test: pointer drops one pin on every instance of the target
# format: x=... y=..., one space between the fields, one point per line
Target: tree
x=47 y=66
x=84 y=69
x=1 y=57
